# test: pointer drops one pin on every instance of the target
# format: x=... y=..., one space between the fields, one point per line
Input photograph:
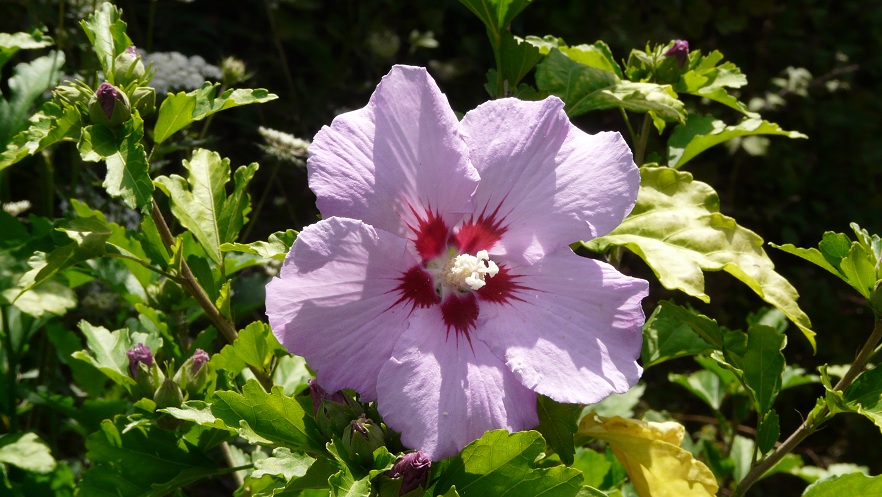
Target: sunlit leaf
x=255 y=346
x=11 y=43
x=676 y=227
x=652 y=456
x=597 y=55
x=200 y=202
x=584 y=88
x=106 y=31
x=761 y=362
x=275 y=248
x=705 y=385
x=179 y=110
x=666 y=336
x=864 y=396
x=123 y=151
x=502 y=463
x=699 y=133
x=273 y=416
x=26 y=451
x=25 y=87
x=106 y=350
x=707 y=78
x=849 y=484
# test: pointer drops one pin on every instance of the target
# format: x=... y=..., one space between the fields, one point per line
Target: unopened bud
x=233 y=71
x=679 y=50
x=73 y=92
x=127 y=67
x=193 y=375
x=109 y=106
x=168 y=395
x=144 y=100
x=333 y=412
x=139 y=354
x=413 y=469
x=361 y=438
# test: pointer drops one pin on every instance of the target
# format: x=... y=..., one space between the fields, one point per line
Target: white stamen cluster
x=469 y=271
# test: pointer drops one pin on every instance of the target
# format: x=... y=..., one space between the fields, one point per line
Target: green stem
x=642 y=140
x=813 y=422
x=628 y=124
x=11 y=371
x=146 y=265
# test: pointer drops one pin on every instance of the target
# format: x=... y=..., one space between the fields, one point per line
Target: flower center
x=468 y=272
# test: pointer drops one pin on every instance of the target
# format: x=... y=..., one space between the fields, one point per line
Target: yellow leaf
x=651 y=454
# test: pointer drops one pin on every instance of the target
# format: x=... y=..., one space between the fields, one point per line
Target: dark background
x=323 y=57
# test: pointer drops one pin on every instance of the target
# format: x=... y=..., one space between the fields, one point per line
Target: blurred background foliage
x=813 y=66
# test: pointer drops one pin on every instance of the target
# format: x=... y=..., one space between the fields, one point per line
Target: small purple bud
x=200 y=357
x=413 y=469
x=107 y=96
x=679 y=50
x=132 y=51
x=318 y=394
x=139 y=354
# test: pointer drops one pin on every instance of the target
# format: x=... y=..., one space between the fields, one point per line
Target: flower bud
x=73 y=92
x=233 y=71
x=168 y=395
x=679 y=50
x=144 y=100
x=413 y=469
x=139 y=354
x=127 y=67
x=143 y=369
x=193 y=375
x=361 y=438
x=333 y=413
x=109 y=106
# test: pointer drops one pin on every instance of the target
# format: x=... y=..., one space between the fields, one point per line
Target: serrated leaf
x=768 y=433
x=502 y=463
x=26 y=451
x=707 y=78
x=849 y=484
x=255 y=346
x=284 y=463
x=199 y=412
x=273 y=416
x=52 y=124
x=26 y=85
x=122 y=150
x=200 y=202
x=179 y=110
x=557 y=424
x=651 y=454
x=106 y=31
x=140 y=459
x=276 y=247
x=343 y=484
x=762 y=363
x=864 y=396
x=584 y=88
x=699 y=133
x=666 y=336
x=597 y=55
x=676 y=227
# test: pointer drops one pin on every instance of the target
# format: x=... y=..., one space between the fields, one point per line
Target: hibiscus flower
x=440 y=282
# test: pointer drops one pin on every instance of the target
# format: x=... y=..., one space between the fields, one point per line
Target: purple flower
x=200 y=357
x=440 y=282
x=108 y=95
x=139 y=354
x=413 y=468
x=679 y=50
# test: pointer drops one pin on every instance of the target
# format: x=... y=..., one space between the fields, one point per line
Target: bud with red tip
x=109 y=106
x=413 y=469
x=127 y=67
x=679 y=50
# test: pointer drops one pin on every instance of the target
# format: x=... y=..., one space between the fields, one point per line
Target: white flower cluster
x=16 y=208
x=283 y=146
x=174 y=71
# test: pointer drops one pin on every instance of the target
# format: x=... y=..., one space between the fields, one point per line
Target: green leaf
x=284 y=463
x=276 y=247
x=26 y=451
x=707 y=78
x=517 y=58
x=26 y=85
x=706 y=385
x=676 y=227
x=200 y=202
x=52 y=124
x=127 y=168
x=343 y=484
x=502 y=463
x=584 y=88
x=11 y=43
x=292 y=374
x=179 y=110
x=53 y=297
x=618 y=404
x=849 y=484
x=199 y=412
x=768 y=433
x=742 y=454
x=140 y=459
x=496 y=14
x=89 y=235
x=557 y=424
x=273 y=416
x=666 y=336
x=107 y=33
x=594 y=466
x=699 y=133
x=256 y=346
x=106 y=350
x=762 y=364
x=864 y=396
x=597 y=55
